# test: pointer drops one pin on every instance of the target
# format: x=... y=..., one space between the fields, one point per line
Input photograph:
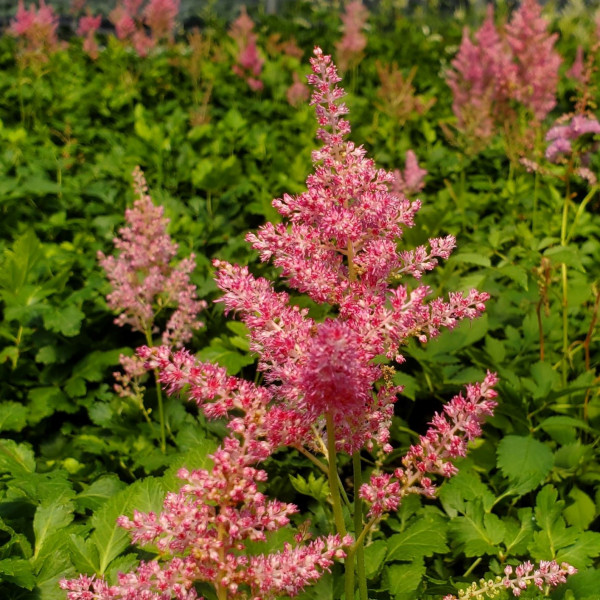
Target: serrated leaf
x=110 y=539
x=16 y=458
x=423 y=538
x=374 y=557
x=456 y=493
x=96 y=494
x=477 y=533
x=582 y=552
x=582 y=511
x=316 y=487
x=518 y=534
x=83 y=554
x=17 y=571
x=13 y=416
x=524 y=461
x=569 y=255
x=402 y=580
x=473 y=258
x=232 y=360
x=562 y=428
x=517 y=274
x=48 y=519
x=66 y=321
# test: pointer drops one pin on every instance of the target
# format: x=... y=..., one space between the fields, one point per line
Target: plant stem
x=161 y=412
x=358 y=524
x=565 y=292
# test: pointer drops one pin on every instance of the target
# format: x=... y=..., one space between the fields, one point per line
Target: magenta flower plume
x=562 y=135
x=249 y=64
x=144 y=283
x=446 y=440
x=159 y=16
x=338 y=244
x=412 y=180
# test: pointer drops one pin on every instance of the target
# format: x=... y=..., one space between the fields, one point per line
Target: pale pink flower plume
x=412 y=180
x=536 y=58
x=160 y=16
x=562 y=134
x=298 y=92
x=547 y=574
x=249 y=63
x=86 y=28
x=577 y=71
x=349 y=49
x=142 y=278
x=36 y=29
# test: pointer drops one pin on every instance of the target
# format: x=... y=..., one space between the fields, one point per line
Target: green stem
x=535 y=202
x=358 y=524
x=565 y=298
x=161 y=411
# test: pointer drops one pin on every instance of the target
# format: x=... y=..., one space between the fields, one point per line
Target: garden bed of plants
x=360 y=329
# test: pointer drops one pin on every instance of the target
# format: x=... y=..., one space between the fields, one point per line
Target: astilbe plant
x=505 y=67
x=148 y=288
x=36 y=31
x=322 y=392
x=349 y=49
x=248 y=62
x=86 y=28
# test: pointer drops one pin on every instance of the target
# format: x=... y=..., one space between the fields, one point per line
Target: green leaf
x=582 y=511
x=110 y=539
x=518 y=534
x=50 y=518
x=477 y=533
x=525 y=461
x=402 y=580
x=232 y=360
x=83 y=553
x=316 y=487
x=423 y=538
x=495 y=348
x=16 y=458
x=456 y=493
x=517 y=274
x=374 y=557
x=472 y=258
x=17 y=571
x=96 y=494
x=568 y=255
x=13 y=416
x=66 y=321
x=562 y=428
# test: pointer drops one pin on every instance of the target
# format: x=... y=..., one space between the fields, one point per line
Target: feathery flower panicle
x=577 y=71
x=350 y=48
x=86 y=28
x=536 y=58
x=203 y=529
x=446 y=440
x=143 y=280
x=298 y=92
x=412 y=180
x=548 y=573
x=249 y=64
x=160 y=16
x=36 y=29
x=338 y=244
x=564 y=133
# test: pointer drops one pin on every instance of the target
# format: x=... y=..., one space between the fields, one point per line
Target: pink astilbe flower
x=548 y=573
x=249 y=64
x=298 y=92
x=577 y=71
x=87 y=27
x=203 y=529
x=536 y=58
x=338 y=244
x=412 y=180
x=36 y=30
x=563 y=134
x=350 y=48
x=445 y=441
x=142 y=277
x=159 y=16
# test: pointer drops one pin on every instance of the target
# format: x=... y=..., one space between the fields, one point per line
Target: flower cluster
x=411 y=180
x=87 y=27
x=564 y=133
x=249 y=63
x=143 y=281
x=517 y=62
x=446 y=440
x=131 y=21
x=36 y=30
x=201 y=533
x=350 y=48
x=548 y=573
